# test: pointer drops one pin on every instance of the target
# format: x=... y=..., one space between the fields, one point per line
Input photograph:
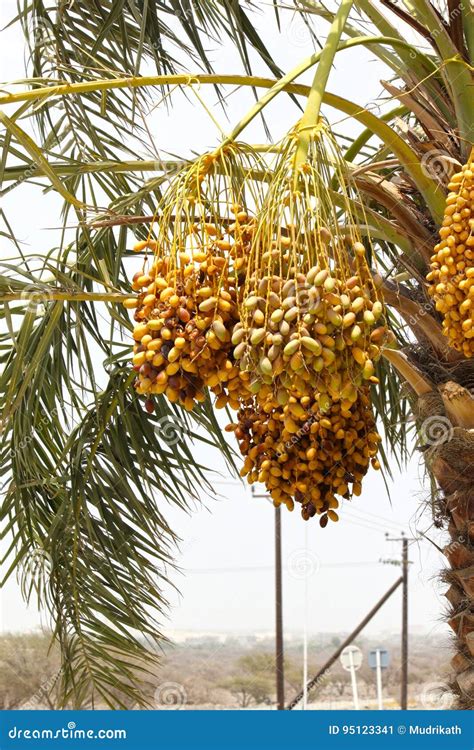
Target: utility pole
x=404 y=690
x=334 y=657
x=404 y=645
x=279 y=651
x=280 y=675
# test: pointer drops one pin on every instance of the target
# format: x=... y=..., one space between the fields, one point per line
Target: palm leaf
x=97 y=516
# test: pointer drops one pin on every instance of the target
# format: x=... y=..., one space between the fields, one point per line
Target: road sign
x=383 y=656
x=351 y=658
x=378 y=660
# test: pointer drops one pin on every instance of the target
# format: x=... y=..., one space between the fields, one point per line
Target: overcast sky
x=227 y=581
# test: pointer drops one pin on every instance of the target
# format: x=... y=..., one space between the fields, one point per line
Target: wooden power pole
x=404 y=685
x=279 y=650
x=404 y=645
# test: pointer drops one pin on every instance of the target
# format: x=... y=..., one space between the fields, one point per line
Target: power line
x=367 y=527
x=265 y=568
x=373 y=518
x=372 y=524
x=234 y=482
x=377 y=518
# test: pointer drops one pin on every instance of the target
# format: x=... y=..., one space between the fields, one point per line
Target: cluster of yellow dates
x=311 y=333
x=282 y=324
x=307 y=455
x=185 y=314
x=451 y=279
x=299 y=381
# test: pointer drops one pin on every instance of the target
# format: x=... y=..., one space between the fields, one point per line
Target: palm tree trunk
x=447 y=421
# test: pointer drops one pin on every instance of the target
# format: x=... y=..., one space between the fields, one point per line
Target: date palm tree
x=87 y=468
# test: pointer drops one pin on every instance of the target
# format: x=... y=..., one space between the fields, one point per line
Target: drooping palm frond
x=88 y=471
x=126 y=38
x=71 y=44
x=127 y=34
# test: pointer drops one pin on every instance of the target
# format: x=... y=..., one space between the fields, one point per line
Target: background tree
x=248 y=689
x=85 y=460
x=254 y=680
x=30 y=672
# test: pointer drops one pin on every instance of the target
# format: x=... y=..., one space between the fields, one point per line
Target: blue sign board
x=384 y=658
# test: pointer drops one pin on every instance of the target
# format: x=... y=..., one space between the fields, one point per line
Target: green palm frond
x=90 y=473
x=126 y=34
x=124 y=38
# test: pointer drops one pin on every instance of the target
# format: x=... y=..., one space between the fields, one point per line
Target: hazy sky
x=227 y=552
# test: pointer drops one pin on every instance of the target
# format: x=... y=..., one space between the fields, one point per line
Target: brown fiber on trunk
x=451 y=460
